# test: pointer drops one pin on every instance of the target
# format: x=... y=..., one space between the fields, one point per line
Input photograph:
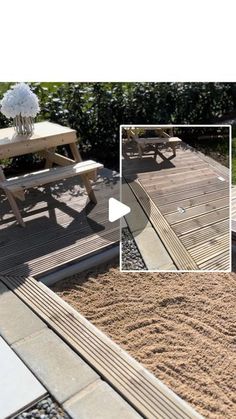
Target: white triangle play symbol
x=117 y=209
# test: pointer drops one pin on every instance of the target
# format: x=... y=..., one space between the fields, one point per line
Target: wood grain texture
x=46 y=135
x=191 y=192
x=49 y=175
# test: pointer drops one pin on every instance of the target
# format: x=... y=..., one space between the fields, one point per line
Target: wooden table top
x=45 y=135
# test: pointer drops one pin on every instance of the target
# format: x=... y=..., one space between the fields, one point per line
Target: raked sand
x=182 y=327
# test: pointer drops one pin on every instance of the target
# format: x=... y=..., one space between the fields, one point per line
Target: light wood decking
x=187 y=200
x=233 y=210
x=62 y=227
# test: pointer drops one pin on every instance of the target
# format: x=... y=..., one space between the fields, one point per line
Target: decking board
x=62 y=227
x=191 y=192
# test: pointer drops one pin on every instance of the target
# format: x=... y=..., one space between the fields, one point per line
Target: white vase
x=24 y=125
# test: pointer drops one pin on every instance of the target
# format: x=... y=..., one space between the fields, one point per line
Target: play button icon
x=117 y=210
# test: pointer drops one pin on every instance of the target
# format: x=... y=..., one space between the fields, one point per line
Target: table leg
x=12 y=202
x=76 y=154
x=174 y=149
x=49 y=162
x=140 y=151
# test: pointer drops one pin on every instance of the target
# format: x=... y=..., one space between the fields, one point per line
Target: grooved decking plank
x=65 y=255
x=199 y=189
x=202 y=221
x=175 y=248
x=220 y=262
x=187 y=167
x=35 y=243
x=191 y=191
x=233 y=208
x=146 y=393
x=62 y=227
x=172 y=189
x=197 y=237
x=197 y=210
x=210 y=249
x=193 y=201
x=177 y=179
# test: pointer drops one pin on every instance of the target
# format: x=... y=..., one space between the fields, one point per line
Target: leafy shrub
x=96 y=110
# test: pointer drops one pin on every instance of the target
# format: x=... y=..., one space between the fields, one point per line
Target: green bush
x=96 y=110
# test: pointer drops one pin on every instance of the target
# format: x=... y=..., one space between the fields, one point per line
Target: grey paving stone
x=16 y=320
x=18 y=386
x=56 y=365
x=152 y=250
x=99 y=401
x=136 y=219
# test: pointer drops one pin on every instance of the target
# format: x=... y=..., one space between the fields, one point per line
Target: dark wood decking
x=62 y=226
x=187 y=199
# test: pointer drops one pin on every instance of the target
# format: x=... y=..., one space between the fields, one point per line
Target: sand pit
x=182 y=327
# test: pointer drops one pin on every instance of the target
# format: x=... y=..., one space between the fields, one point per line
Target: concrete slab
x=56 y=365
x=17 y=321
x=152 y=250
x=18 y=386
x=136 y=219
x=99 y=401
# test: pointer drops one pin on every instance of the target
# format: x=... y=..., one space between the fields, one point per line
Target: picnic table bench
x=155 y=141
x=46 y=137
x=164 y=137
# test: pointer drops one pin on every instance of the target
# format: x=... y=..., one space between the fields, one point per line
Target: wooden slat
x=210 y=249
x=197 y=237
x=165 y=187
x=46 y=135
x=196 y=189
x=201 y=221
x=189 y=166
x=148 y=395
x=197 y=210
x=177 y=251
x=56 y=158
x=37 y=261
x=191 y=192
x=219 y=262
x=193 y=201
x=158 y=140
x=49 y=175
x=179 y=178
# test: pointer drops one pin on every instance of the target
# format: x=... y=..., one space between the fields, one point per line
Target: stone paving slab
x=152 y=250
x=56 y=365
x=17 y=321
x=99 y=401
x=18 y=386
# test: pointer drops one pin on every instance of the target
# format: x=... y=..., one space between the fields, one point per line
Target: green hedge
x=96 y=110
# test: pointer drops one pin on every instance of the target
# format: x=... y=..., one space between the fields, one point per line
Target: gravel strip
x=131 y=257
x=45 y=409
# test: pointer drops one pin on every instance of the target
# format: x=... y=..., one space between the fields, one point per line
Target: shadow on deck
x=62 y=226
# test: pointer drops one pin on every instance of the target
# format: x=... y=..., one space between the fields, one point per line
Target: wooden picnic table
x=164 y=137
x=46 y=138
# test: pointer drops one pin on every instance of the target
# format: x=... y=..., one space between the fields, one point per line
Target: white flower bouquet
x=22 y=105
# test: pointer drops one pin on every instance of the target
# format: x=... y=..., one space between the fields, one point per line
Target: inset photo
x=176 y=181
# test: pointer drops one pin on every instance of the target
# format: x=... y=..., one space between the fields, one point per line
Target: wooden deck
x=186 y=198
x=233 y=210
x=62 y=226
